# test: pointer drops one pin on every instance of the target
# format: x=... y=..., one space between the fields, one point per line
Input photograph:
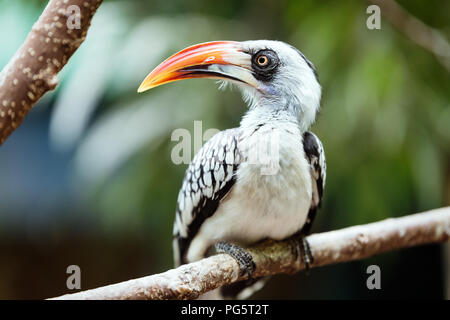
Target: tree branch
x=358 y=242
x=34 y=68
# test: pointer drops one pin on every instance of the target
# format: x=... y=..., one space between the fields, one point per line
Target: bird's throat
x=271 y=115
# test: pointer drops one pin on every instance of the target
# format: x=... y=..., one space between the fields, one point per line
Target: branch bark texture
x=33 y=70
x=358 y=242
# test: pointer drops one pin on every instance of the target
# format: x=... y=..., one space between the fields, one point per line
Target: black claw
x=305 y=252
x=243 y=258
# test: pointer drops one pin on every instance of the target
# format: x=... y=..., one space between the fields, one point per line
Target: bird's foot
x=243 y=258
x=304 y=251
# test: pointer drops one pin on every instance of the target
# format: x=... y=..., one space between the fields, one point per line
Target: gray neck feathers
x=268 y=111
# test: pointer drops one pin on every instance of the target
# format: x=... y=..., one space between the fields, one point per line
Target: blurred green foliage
x=384 y=121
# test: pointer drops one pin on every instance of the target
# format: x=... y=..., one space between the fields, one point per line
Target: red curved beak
x=216 y=60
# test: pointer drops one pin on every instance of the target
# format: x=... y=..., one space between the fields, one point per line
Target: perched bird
x=264 y=179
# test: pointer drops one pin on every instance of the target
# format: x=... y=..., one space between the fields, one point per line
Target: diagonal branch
x=34 y=68
x=358 y=242
x=418 y=32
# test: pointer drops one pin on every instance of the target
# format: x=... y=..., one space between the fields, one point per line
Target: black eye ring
x=265 y=62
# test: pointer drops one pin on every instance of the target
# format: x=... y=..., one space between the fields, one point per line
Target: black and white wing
x=316 y=157
x=207 y=181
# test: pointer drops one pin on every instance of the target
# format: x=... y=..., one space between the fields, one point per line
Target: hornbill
x=264 y=179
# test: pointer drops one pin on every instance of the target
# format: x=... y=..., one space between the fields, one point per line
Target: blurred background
x=88 y=178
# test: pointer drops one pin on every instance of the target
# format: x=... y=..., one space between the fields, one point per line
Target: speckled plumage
x=208 y=179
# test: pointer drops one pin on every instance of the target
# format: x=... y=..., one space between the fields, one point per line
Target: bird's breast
x=272 y=194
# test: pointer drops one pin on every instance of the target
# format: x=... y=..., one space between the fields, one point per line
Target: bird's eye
x=265 y=63
x=262 y=60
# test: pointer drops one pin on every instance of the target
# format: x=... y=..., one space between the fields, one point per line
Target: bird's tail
x=239 y=290
x=243 y=289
